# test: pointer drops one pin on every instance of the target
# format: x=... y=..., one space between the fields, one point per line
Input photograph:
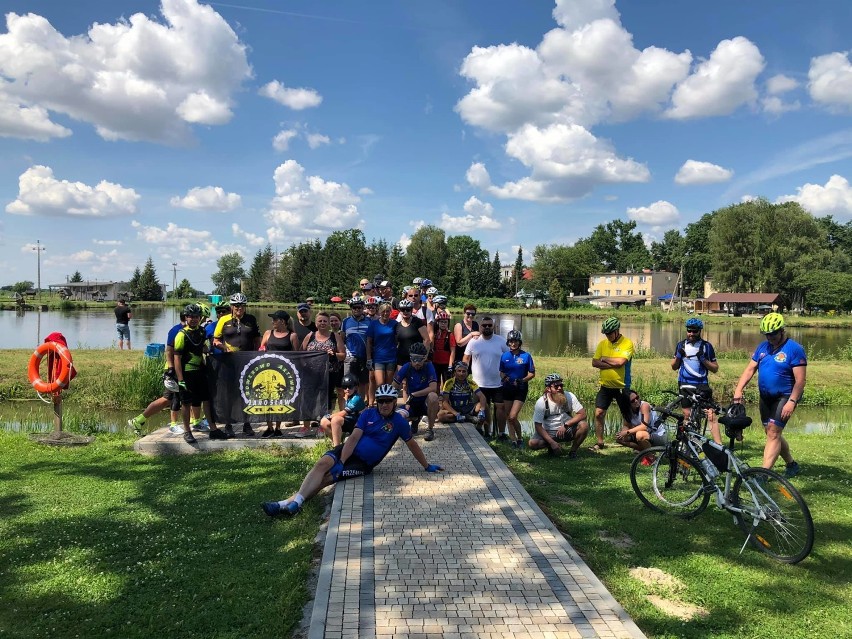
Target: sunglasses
x=417 y=359
x=469 y=313
x=692 y=331
x=773 y=333
x=486 y=325
x=385 y=400
x=635 y=400
x=411 y=297
x=557 y=385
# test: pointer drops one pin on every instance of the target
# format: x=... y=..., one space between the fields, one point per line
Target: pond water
x=36 y=416
x=95 y=328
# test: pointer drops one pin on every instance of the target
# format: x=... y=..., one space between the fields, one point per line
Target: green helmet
x=610 y=324
x=771 y=322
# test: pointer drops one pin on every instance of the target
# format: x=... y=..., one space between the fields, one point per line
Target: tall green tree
x=184 y=290
x=827 y=290
x=517 y=276
x=226 y=280
x=494 y=285
x=259 y=283
x=149 y=288
x=342 y=263
x=77 y=277
x=378 y=259
x=133 y=284
x=465 y=257
x=569 y=265
x=697 y=256
x=426 y=255
x=396 y=268
x=668 y=254
x=555 y=294
x=619 y=247
x=22 y=287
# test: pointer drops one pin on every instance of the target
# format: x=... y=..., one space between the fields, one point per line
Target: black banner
x=260 y=386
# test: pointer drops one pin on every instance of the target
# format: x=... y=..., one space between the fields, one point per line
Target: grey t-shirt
x=551 y=416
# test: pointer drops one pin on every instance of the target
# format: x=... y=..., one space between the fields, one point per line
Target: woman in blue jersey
x=780 y=364
x=381 y=346
x=516 y=370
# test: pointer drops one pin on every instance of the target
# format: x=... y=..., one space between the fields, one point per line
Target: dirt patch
x=678 y=609
x=657 y=579
x=619 y=541
x=562 y=499
x=666 y=589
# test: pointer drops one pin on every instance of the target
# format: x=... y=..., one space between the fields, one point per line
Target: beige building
x=637 y=289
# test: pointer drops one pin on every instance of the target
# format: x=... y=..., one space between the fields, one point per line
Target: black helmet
x=193 y=310
x=735 y=419
x=417 y=349
x=349 y=381
x=513 y=336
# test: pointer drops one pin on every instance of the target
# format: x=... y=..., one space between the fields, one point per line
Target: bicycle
x=680 y=477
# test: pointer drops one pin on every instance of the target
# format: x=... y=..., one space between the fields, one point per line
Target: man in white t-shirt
x=483 y=356
x=558 y=417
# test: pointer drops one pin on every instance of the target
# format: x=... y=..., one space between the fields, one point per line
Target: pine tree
x=77 y=277
x=518 y=271
x=149 y=288
x=133 y=284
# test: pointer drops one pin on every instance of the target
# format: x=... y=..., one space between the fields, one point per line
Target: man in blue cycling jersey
x=780 y=364
x=693 y=358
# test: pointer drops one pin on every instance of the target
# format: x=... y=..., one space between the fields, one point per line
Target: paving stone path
x=463 y=553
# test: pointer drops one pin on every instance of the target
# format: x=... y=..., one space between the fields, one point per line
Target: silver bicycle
x=680 y=478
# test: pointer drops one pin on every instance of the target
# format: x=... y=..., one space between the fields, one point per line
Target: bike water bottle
x=709 y=469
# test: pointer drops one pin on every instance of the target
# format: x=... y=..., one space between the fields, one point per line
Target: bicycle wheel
x=775 y=516
x=669 y=484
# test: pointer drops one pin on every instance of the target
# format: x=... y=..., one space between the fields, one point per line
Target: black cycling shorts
x=512 y=393
x=621 y=396
x=352 y=467
x=493 y=395
x=770 y=409
x=357 y=367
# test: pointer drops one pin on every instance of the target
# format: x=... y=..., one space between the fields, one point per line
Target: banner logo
x=269 y=385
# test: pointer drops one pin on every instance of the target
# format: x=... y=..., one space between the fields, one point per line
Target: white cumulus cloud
x=177 y=242
x=830 y=80
x=135 y=79
x=308 y=204
x=720 y=84
x=660 y=213
x=316 y=140
x=281 y=141
x=251 y=238
x=835 y=198
x=296 y=99
x=479 y=217
x=780 y=83
x=40 y=193
x=207 y=198
x=695 y=172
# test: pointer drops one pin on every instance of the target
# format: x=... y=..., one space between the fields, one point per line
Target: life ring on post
x=58 y=375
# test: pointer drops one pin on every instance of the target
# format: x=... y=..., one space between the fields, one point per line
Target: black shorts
x=174 y=398
x=703 y=390
x=621 y=396
x=770 y=409
x=416 y=410
x=493 y=395
x=357 y=367
x=512 y=393
x=353 y=467
x=569 y=435
x=196 y=388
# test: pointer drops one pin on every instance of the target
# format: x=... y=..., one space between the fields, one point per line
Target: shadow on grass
x=103 y=542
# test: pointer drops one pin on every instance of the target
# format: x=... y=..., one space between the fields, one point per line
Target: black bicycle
x=679 y=479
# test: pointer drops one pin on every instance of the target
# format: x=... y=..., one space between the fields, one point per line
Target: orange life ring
x=63 y=356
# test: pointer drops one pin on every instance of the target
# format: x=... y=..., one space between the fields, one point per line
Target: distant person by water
x=123 y=316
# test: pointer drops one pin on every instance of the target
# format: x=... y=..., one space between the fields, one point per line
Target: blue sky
x=184 y=130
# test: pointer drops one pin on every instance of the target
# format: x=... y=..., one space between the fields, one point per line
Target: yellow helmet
x=771 y=322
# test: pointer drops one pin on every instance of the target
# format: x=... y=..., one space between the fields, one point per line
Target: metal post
x=57 y=413
x=38 y=248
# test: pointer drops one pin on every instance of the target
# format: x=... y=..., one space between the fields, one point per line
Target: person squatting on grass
x=636 y=433
x=558 y=417
x=375 y=434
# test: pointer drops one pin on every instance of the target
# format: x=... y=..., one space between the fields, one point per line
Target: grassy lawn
x=99 y=542
x=744 y=595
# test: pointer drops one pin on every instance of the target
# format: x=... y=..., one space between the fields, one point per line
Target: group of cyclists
x=405 y=346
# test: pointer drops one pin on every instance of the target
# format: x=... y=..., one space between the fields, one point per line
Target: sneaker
x=267 y=433
x=135 y=425
x=218 y=434
x=572 y=455
x=792 y=470
x=513 y=444
x=274 y=509
x=189 y=438
x=304 y=431
x=248 y=431
x=415 y=427
x=429 y=436
x=521 y=444
x=176 y=429
x=647 y=461
x=503 y=437
x=229 y=431
x=201 y=426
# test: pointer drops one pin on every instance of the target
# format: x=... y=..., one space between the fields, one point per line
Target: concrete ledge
x=163 y=442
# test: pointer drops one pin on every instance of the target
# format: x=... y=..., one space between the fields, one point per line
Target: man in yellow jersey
x=612 y=357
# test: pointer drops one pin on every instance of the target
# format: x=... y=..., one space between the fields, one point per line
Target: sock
x=140 y=419
x=299 y=500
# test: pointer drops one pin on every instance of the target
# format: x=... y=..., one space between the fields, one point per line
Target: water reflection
x=95 y=328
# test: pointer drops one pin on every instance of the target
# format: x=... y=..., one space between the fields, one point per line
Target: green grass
x=99 y=541
x=746 y=595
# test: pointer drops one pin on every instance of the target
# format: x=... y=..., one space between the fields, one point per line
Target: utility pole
x=38 y=248
x=174 y=278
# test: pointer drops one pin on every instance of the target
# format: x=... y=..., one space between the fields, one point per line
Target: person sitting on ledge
x=375 y=434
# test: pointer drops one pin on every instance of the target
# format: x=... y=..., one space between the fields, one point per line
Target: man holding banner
x=375 y=434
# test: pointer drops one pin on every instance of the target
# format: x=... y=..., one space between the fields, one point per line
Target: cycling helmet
x=356 y=301
x=441 y=315
x=610 y=324
x=349 y=381
x=694 y=322
x=514 y=335
x=373 y=301
x=735 y=420
x=386 y=390
x=405 y=305
x=431 y=291
x=192 y=310
x=735 y=411
x=205 y=310
x=426 y=283
x=553 y=378
x=771 y=323
x=417 y=349
x=460 y=364
x=170 y=383
x=238 y=299
x=440 y=299
x=417 y=281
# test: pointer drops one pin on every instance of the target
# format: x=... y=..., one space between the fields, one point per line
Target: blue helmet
x=695 y=323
